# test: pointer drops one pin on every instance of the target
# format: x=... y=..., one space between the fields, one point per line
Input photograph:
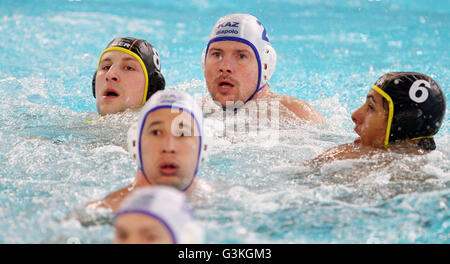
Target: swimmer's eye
x=155 y=132
x=242 y=56
x=106 y=67
x=371 y=107
x=216 y=54
x=129 y=68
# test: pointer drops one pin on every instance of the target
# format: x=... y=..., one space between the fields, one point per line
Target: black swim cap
x=416 y=105
x=147 y=56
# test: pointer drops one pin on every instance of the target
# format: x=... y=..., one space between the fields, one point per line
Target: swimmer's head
x=238 y=60
x=156 y=215
x=167 y=141
x=414 y=106
x=128 y=74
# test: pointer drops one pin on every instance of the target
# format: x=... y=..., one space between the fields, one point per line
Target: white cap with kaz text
x=246 y=29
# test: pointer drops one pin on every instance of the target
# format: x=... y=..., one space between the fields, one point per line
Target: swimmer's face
x=231 y=71
x=170 y=144
x=134 y=228
x=119 y=83
x=371 y=121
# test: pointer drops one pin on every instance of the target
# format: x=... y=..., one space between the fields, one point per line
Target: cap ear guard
x=268 y=63
x=156 y=82
x=203 y=59
x=208 y=141
x=93 y=83
x=132 y=138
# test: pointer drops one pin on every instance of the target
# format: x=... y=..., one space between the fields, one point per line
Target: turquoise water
x=329 y=54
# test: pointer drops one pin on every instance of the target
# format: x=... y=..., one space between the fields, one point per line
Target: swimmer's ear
x=269 y=62
x=156 y=82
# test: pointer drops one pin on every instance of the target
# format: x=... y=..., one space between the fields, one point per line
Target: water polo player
x=128 y=74
x=156 y=215
x=167 y=143
x=402 y=113
x=239 y=61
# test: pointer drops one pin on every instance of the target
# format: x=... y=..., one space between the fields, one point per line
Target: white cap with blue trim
x=166 y=99
x=247 y=29
x=167 y=205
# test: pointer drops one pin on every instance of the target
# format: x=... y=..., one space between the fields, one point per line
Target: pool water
x=255 y=191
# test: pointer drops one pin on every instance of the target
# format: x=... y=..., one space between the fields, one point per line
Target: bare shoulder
x=300 y=108
x=112 y=200
x=345 y=151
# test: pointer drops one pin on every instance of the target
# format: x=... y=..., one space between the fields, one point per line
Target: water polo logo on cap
x=170 y=98
x=121 y=42
x=419 y=91
x=228 y=28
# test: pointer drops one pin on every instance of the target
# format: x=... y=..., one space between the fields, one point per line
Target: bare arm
x=112 y=200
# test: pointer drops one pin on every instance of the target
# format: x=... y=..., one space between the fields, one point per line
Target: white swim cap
x=166 y=99
x=167 y=205
x=246 y=29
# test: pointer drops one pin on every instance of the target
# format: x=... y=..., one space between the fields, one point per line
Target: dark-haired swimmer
x=128 y=74
x=167 y=143
x=239 y=61
x=402 y=113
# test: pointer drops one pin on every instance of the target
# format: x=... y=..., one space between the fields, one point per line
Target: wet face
x=119 y=83
x=371 y=121
x=170 y=145
x=134 y=228
x=231 y=71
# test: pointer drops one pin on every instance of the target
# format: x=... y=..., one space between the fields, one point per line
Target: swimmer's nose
x=112 y=75
x=356 y=116
x=226 y=65
x=168 y=144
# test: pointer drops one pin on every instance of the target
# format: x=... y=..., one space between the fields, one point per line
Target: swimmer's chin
x=357 y=140
x=134 y=109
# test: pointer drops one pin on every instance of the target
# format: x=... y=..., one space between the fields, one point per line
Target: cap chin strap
x=256 y=91
x=144 y=69
x=391 y=113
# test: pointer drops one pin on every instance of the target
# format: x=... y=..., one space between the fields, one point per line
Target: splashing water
x=256 y=191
